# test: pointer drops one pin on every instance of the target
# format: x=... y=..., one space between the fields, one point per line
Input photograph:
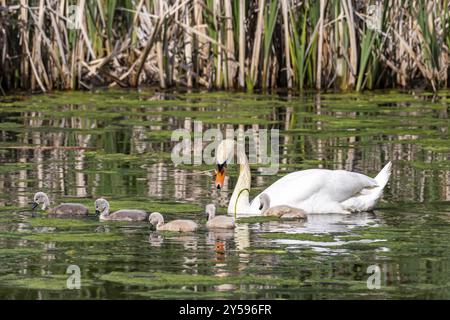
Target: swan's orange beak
x=220 y=177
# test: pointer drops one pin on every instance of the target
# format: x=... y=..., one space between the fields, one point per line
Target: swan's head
x=210 y=211
x=224 y=153
x=264 y=201
x=156 y=219
x=101 y=207
x=40 y=198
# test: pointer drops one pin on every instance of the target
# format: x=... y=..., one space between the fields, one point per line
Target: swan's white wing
x=293 y=188
x=323 y=185
x=344 y=184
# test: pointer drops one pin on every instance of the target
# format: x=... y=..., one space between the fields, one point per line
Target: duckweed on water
x=20 y=251
x=159 y=279
x=74 y=237
x=257 y=219
x=146 y=204
x=266 y=251
x=61 y=223
x=48 y=282
x=298 y=236
x=182 y=294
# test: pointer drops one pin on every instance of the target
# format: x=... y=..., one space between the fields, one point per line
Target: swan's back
x=72 y=209
x=221 y=222
x=179 y=226
x=321 y=184
x=128 y=215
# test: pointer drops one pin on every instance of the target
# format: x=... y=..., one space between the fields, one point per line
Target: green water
x=116 y=144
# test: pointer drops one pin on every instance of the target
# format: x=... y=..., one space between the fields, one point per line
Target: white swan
x=312 y=190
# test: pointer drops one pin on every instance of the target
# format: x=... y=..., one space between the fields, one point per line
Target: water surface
x=78 y=146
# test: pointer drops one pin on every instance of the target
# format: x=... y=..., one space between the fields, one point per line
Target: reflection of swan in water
x=220 y=240
x=338 y=222
x=242 y=236
x=321 y=223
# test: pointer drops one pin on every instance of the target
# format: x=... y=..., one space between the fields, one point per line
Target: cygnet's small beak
x=34 y=205
x=97 y=212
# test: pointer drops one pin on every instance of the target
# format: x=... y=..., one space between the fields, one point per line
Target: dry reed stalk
x=241 y=44
x=188 y=49
x=348 y=9
x=159 y=10
x=24 y=63
x=256 y=52
x=229 y=54
x=200 y=44
x=319 y=51
x=287 y=56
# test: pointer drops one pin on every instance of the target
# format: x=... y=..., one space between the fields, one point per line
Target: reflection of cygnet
x=282 y=212
x=155 y=239
x=219 y=222
x=103 y=229
x=220 y=234
x=157 y=220
x=63 y=209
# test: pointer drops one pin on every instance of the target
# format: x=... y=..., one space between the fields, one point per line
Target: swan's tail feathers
x=368 y=199
x=383 y=176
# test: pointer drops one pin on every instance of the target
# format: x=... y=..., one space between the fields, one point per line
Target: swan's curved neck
x=105 y=211
x=160 y=223
x=46 y=203
x=239 y=202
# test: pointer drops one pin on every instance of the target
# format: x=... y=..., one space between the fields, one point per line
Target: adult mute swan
x=312 y=190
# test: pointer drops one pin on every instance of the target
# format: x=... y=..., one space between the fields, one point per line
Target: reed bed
x=224 y=44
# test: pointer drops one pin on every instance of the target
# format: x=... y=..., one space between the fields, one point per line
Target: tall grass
x=224 y=44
